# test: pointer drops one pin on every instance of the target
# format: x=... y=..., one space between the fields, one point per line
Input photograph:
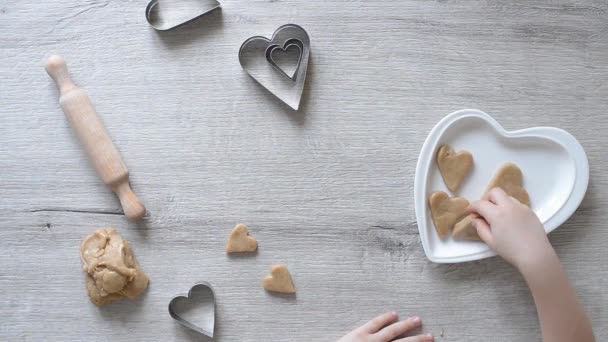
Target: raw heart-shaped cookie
x=446 y=211
x=464 y=230
x=509 y=178
x=454 y=167
x=279 y=280
x=239 y=240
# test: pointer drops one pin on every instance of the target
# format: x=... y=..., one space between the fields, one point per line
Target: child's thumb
x=484 y=232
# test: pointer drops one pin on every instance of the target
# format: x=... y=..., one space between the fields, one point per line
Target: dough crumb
x=112 y=272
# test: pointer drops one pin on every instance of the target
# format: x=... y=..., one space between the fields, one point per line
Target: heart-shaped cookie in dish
x=554 y=166
x=453 y=166
x=510 y=179
x=446 y=211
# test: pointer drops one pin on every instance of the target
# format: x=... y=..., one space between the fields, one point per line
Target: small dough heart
x=446 y=211
x=454 y=167
x=239 y=240
x=509 y=178
x=279 y=280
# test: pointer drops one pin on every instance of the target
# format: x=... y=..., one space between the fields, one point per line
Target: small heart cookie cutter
x=203 y=289
x=256 y=58
x=155 y=20
x=289 y=43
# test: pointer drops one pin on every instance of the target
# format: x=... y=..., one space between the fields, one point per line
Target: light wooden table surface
x=327 y=190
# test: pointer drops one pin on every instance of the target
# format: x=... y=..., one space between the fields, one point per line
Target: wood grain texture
x=327 y=191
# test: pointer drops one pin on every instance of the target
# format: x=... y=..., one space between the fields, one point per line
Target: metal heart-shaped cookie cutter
x=256 y=58
x=203 y=293
x=186 y=12
x=290 y=43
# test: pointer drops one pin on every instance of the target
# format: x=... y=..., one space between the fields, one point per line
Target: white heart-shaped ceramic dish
x=554 y=164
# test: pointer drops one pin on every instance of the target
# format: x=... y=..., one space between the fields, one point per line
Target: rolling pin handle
x=58 y=70
x=131 y=205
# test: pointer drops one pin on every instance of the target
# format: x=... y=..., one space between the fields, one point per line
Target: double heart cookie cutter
x=200 y=301
x=175 y=13
x=258 y=57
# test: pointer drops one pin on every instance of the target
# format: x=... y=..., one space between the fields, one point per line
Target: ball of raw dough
x=112 y=272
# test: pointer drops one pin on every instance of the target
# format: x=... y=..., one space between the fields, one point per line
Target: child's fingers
x=497 y=196
x=483 y=230
x=417 y=338
x=379 y=322
x=396 y=329
x=484 y=208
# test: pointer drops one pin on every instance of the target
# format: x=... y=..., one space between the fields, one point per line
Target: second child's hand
x=385 y=328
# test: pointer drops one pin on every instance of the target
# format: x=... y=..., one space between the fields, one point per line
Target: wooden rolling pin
x=84 y=120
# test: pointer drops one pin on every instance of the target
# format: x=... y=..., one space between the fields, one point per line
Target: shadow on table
x=579 y=225
x=121 y=310
x=142 y=226
x=299 y=116
x=283 y=297
x=241 y=256
x=185 y=334
x=474 y=271
x=296 y=116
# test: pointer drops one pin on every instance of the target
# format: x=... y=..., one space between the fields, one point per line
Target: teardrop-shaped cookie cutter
x=153 y=5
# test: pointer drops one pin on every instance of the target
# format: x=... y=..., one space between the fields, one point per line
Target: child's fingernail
x=429 y=338
x=416 y=319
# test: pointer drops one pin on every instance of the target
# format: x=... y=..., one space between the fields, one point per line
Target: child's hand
x=513 y=231
x=510 y=228
x=385 y=328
